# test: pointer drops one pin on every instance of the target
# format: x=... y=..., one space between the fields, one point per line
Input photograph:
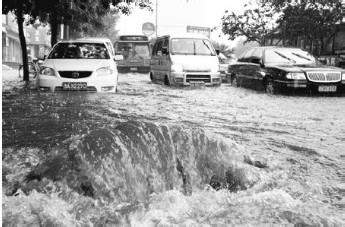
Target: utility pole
x=156 y=17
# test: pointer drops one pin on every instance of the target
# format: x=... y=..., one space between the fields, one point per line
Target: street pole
x=156 y=17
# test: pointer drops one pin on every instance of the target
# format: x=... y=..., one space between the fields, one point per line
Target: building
x=37 y=41
x=11 y=50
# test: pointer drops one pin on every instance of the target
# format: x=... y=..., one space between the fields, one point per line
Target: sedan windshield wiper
x=283 y=56
x=300 y=56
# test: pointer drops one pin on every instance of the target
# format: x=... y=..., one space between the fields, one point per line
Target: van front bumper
x=188 y=78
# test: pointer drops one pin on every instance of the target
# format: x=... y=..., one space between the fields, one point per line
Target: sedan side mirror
x=118 y=57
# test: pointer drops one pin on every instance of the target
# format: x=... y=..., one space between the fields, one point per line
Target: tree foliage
x=255 y=23
x=313 y=22
x=225 y=49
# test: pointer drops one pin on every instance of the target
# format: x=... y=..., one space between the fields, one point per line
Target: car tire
x=234 y=81
x=270 y=88
x=151 y=78
x=166 y=81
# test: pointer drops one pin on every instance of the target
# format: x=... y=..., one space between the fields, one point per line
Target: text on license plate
x=133 y=68
x=74 y=85
x=196 y=83
x=327 y=88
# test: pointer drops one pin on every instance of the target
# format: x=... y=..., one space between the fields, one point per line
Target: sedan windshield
x=79 y=51
x=288 y=56
x=192 y=47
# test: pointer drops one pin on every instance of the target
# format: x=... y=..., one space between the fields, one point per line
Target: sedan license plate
x=74 y=86
x=133 y=69
x=327 y=88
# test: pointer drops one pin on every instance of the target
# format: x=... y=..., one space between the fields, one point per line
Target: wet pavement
x=156 y=155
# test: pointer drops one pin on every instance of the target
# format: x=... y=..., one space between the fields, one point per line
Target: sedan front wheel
x=270 y=88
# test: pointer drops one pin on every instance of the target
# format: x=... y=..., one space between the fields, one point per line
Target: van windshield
x=188 y=46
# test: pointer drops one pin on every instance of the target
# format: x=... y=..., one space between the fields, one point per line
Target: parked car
x=79 y=65
x=280 y=68
x=184 y=60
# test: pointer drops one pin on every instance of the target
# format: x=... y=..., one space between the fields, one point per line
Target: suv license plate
x=133 y=69
x=327 y=88
x=74 y=86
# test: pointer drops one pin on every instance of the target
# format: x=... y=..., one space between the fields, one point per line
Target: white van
x=183 y=60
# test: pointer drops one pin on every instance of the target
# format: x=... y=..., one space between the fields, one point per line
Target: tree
x=256 y=23
x=225 y=49
x=313 y=22
x=19 y=8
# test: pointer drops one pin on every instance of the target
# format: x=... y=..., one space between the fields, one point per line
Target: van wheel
x=151 y=77
x=166 y=81
x=270 y=88
x=234 y=82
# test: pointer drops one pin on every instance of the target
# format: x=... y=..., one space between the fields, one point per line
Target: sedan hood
x=76 y=64
x=306 y=68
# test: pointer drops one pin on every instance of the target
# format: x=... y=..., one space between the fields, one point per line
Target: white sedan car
x=80 y=65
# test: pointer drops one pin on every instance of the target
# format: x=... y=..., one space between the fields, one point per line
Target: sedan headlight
x=104 y=71
x=295 y=76
x=47 y=71
x=176 y=68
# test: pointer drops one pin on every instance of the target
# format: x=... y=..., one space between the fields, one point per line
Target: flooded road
x=154 y=155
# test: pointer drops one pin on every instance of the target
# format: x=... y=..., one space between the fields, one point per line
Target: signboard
x=201 y=30
x=148 y=28
x=133 y=38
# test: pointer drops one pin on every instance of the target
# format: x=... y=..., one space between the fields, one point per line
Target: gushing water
x=152 y=155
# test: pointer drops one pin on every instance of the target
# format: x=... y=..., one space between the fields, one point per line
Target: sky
x=175 y=15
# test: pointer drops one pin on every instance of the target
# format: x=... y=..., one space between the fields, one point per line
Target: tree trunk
x=20 y=21
x=54 y=29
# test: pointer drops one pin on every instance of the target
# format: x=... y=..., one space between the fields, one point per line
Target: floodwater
x=152 y=155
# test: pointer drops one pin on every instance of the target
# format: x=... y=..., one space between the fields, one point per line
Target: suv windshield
x=192 y=47
x=79 y=51
x=288 y=56
x=133 y=50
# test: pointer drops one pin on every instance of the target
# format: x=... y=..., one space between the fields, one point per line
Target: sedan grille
x=324 y=76
x=193 y=77
x=75 y=74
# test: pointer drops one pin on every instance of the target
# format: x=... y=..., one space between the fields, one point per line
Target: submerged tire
x=234 y=82
x=166 y=81
x=270 y=88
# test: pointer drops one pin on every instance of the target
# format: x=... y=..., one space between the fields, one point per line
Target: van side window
x=165 y=45
x=154 y=49
x=159 y=48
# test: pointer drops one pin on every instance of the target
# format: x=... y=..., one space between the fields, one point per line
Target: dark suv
x=282 y=68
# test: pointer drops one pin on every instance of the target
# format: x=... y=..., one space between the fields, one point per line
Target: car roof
x=91 y=40
x=185 y=35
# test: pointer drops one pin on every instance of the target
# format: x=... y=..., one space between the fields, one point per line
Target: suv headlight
x=46 y=71
x=104 y=71
x=343 y=76
x=176 y=68
x=295 y=76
